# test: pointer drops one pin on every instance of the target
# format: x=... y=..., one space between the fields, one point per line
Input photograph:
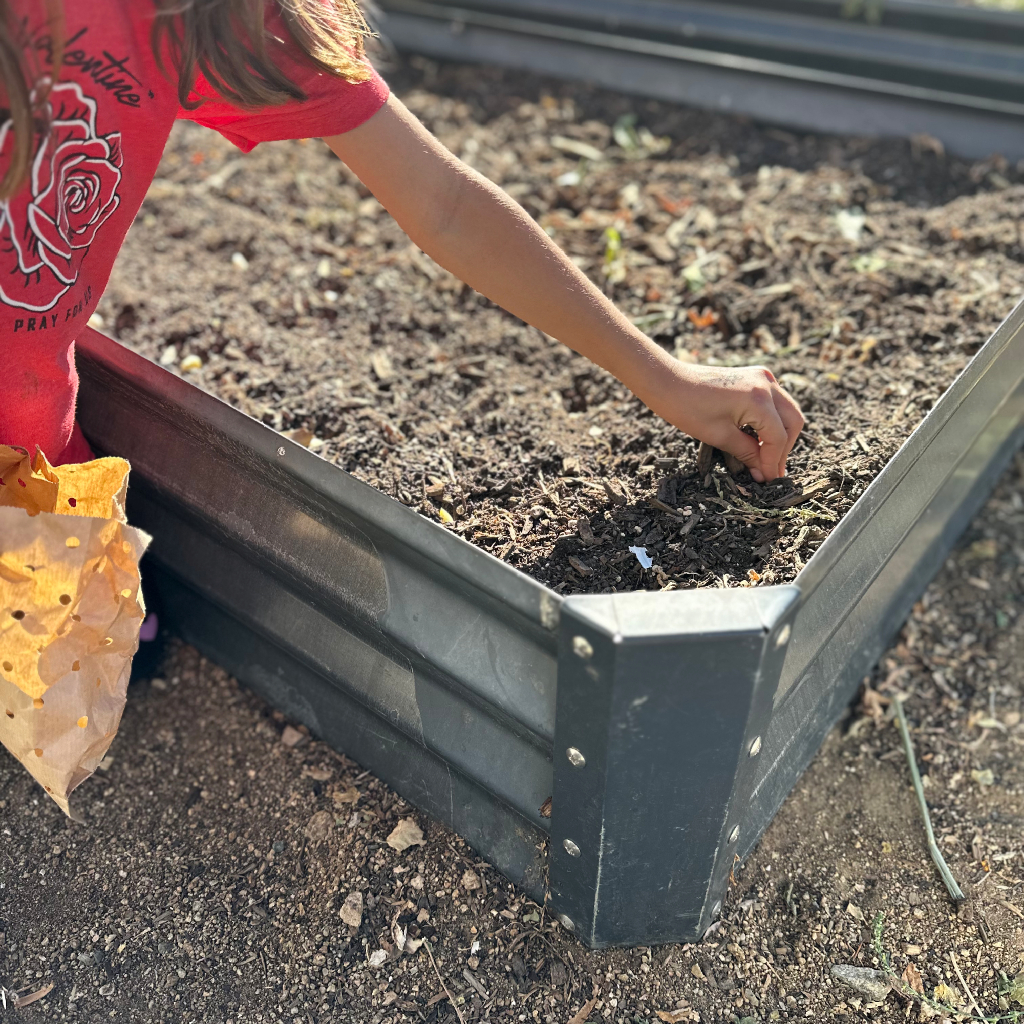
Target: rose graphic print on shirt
x=46 y=230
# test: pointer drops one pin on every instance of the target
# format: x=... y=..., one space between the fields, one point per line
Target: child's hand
x=713 y=403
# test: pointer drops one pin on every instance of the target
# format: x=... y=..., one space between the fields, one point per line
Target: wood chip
x=581 y=1017
x=614 y=496
x=799 y=497
x=382 y=367
x=581 y=567
x=33 y=997
x=664 y=507
x=705 y=459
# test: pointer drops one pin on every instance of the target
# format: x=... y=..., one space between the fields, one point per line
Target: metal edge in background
x=769 y=90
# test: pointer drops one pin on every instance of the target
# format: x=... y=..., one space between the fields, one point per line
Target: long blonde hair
x=224 y=40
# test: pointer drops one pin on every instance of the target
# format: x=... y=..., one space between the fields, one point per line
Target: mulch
x=864 y=273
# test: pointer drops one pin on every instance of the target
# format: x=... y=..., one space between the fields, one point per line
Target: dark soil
x=206 y=880
x=275 y=282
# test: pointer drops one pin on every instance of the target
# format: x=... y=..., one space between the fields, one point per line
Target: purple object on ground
x=150 y=628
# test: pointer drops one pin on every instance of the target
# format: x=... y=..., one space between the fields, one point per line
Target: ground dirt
x=208 y=876
x=864 y=274
x=219 y=846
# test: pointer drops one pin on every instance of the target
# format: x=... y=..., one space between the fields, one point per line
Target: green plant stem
x=947 y=876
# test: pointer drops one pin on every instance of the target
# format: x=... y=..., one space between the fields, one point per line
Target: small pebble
x=872 y=985
x=351 y=912
x=239 y=261
x=190 y=362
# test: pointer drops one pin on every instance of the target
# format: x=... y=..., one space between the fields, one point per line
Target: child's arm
x=476 y=231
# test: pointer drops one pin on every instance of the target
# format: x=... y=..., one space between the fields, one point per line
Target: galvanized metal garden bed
x=666 y=727
x=899 y=68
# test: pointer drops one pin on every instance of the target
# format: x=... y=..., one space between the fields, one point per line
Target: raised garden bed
x=463 y=682
x=337 y=326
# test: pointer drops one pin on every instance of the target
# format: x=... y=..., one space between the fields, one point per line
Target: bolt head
x=734 y=834
x=281 y=450
x=755 y=747
x=571 y=848
x=567 y=922
x=716 y=910
x=582 y=648
x=576 y=758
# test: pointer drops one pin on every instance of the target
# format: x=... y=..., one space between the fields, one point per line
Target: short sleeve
x=332 y=106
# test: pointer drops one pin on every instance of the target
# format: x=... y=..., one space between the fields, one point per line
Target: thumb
x=747 y=450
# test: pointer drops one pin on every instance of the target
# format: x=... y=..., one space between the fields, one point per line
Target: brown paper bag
x=70 y=612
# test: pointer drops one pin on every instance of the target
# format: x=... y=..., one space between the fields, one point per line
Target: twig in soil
x=947 y=876
x=451 y=999
x=584 y=1013
x=963 y=981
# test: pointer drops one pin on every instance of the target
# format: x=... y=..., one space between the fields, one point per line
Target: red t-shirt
x=112 y=111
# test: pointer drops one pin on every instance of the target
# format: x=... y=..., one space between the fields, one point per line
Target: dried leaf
x=704 y=319
x=912 y=979
x=855 y=912
x=545 y=808
x=405 y=834
x=377 y=958
x=675 y=1016
x=300 y=435
x=875 y=704
x=945 y=994
x=349 y=796
x=318 y=828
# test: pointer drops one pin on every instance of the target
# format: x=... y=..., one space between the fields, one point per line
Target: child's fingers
x=748 y=451
x=774 y=441
x=792 y=421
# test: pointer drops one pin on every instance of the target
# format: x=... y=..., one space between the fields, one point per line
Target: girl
x=92 y=91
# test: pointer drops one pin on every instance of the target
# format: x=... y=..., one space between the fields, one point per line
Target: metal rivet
x=581 y=647
x=734 y=834
x=566 y=922
x=576 y=758
x=716 y=909
x=755 y=747
x=783 y=637
x=571 y=848
x=280 y=451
